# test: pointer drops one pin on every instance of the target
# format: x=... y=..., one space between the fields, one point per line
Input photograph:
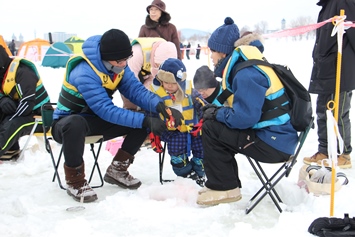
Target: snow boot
x=78 y=188
x=117 y=172
x=182 y=166
x=197 y=166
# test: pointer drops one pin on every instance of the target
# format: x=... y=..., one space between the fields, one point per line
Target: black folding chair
x=269 y=184
x=47 y=119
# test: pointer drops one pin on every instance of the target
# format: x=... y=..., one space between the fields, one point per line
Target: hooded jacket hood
x=253 y=39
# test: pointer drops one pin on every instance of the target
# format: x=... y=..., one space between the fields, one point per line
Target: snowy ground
x=31 y=205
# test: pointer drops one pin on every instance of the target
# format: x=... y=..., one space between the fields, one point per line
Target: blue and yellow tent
x=75 y=43
x=57 y=55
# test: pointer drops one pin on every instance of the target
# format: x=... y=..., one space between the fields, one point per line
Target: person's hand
x=167 y=112
x=143 y=75
x=209 y=112
x=156 y=125
x=7 y=105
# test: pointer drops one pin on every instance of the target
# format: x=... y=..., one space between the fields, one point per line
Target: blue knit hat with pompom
x=223 y=38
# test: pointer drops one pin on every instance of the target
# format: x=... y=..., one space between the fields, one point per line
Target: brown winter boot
x=117 y=172
x=77 y=185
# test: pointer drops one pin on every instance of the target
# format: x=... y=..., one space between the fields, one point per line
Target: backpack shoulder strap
x=226 y=93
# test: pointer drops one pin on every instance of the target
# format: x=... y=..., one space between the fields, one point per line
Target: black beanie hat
x=115 y=45
x=204 y=78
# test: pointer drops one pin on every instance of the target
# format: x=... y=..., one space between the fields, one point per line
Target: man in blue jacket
x=85 y=108
x=238 y=126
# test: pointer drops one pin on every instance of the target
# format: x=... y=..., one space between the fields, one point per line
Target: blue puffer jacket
x=249 y=87
x=89 y=85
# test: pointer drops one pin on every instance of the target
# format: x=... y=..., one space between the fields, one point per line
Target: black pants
x=220 y=144
x=344 y=124
x=71 y=131
x=12 y=130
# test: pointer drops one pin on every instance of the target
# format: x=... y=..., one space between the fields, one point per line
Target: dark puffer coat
x=325 y=50
x=162 y=29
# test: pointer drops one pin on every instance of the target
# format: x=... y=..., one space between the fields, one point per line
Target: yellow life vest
x=105 y=79
x=186 y=105
x=69 y=97
x=250 y=52
x=146 y=43
x=9 y=87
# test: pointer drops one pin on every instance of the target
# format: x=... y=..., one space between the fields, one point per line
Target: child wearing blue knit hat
x=240 y=125
x=171 y=85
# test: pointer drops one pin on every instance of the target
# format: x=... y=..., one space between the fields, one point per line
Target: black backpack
x=300 y=107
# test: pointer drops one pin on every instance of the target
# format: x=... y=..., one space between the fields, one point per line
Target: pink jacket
x=161 y=50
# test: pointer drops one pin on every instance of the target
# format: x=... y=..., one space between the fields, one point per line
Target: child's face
x=206 y=92
x=170 y=87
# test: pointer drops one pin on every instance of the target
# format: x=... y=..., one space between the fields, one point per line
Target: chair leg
x=28 y=139
x=268 y=186
x=56 y=165
x=161 y=166
x=96 y=164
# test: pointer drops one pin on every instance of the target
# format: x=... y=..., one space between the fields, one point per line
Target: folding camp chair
x=47 y=119
x=270 y=183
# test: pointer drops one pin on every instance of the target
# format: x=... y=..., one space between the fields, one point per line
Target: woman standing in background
x=157 y=24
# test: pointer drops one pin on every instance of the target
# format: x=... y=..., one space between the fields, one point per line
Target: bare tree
x=303 y=21
x=244 y=29
x=261 y=27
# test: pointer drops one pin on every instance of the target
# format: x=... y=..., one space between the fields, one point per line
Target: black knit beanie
x=115 y=45
x=204 y=78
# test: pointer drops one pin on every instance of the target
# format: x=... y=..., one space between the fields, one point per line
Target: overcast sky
x=34 y=18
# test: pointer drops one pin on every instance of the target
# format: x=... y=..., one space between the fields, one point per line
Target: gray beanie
x=204 y=78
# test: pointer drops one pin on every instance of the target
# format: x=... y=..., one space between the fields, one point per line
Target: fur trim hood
x=163 y=20
x=253 y=39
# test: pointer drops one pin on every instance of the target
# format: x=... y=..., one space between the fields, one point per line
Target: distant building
x=58 y=36
x=21 y=39
x=283 y=24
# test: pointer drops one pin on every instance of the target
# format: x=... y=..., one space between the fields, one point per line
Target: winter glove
x=209 y=112
x=197 y=128
x=143 y=75
x=156 y=125
x=175 y=114
x=156 y=144
x=7 y=105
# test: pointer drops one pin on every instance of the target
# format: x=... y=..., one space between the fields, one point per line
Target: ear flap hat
x=173 y=70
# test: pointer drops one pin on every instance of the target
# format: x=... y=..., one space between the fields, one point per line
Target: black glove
x=7 y=105
x=156 y=125
x=162 y=108
x=209 y=112
x=143 y=74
